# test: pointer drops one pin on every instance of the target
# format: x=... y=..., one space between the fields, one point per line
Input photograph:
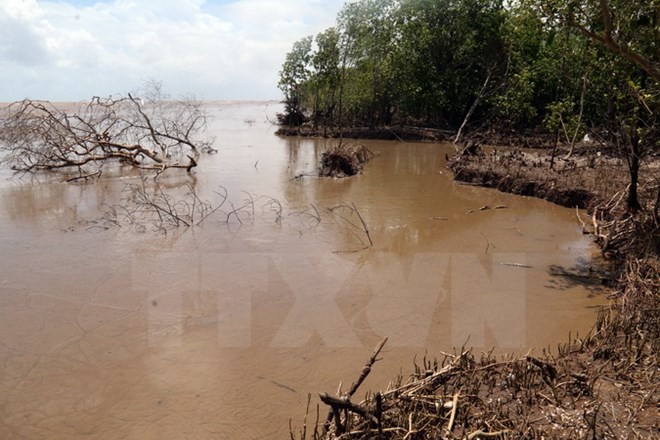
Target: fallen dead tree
x=344 y=159
x=146 y=130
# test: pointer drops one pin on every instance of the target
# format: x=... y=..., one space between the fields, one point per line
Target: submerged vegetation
x=149 y=207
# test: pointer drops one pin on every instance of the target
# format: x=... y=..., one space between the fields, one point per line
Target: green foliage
x=325 y=83
x=517 y=64
x=294 y=76
x=563 y=118
x=446 y=50
x=514 y=106
x=628 y=28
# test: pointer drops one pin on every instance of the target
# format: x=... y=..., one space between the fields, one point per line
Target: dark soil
x=585 y=179
x=393 y=133
x=529 y=174
x=419 y=133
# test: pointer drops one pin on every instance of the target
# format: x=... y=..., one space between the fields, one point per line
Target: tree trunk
x=656 y=208
x=633 y=167
x=482 y=92
x=579 y=121
x=554 y=150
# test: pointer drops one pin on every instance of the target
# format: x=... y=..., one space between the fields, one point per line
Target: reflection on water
x=220 y=331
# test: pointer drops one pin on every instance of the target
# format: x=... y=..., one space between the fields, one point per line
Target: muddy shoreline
x=520 y=174
x=393 y=133
x=603 y=385
x=413 y=133
x=567 y=197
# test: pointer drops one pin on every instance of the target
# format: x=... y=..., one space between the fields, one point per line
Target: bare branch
x=156 y=135
x=608 y=39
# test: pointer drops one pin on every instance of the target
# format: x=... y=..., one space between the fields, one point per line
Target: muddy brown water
x=221 y=331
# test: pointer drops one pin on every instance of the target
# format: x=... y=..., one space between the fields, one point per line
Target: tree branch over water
x=146 y=131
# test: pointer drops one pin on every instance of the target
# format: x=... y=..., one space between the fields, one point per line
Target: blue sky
x=63 y=50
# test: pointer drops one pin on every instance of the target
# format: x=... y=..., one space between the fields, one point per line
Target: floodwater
x=221 y=330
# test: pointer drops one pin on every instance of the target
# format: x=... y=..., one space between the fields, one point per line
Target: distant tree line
x=554 y=64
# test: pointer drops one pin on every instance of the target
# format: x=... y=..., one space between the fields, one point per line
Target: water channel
x=221 y=330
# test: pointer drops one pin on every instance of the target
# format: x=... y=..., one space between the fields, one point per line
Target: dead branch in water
x=148 y=206
x=343 y=402
x=312 y=212
x=149 y=132
x=363 y=225
x=275 y=206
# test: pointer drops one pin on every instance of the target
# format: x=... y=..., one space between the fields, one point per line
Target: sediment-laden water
x=221 y=330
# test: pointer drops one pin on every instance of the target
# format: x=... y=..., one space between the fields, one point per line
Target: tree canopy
x=510 y=65
x=558 y=67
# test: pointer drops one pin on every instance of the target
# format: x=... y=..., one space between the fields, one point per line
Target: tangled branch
x=150 y=132
x=147 y=206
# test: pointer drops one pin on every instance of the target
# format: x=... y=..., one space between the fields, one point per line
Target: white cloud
x=216 y=49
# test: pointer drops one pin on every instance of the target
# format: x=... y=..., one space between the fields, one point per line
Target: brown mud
x=529 y=174
x=583 y=180
x=393 y=133
x=602 y=386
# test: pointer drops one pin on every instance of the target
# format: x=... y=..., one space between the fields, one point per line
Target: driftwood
x=343 y=403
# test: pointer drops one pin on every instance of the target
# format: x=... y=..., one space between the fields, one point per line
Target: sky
x=70 y=50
